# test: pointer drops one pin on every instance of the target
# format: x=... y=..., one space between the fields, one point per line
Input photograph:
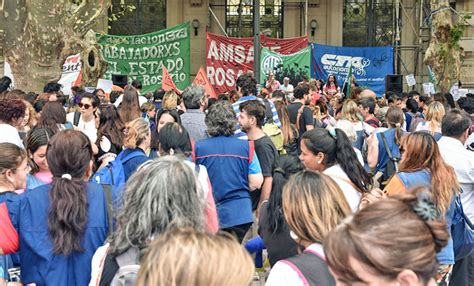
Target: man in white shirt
x=85 y=120
x=455 y=128
x=287 y=87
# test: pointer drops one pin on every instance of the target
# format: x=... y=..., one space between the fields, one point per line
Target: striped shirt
x=238 y=132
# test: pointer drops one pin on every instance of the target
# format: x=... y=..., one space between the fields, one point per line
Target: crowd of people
x=317 y=183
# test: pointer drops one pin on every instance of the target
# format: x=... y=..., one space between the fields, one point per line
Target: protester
x=148 y=110
x=349 y=129
x=367 y=109
x=170 y=101
x=422 y=165
x=390 y=242
x=53 y=117
x=100 y=93
x=193 y=119
x=12 y=112
x=331 y=88
x=110 y=136
x=163 y=116
x=455 y=127
x=350 y=112
x=301 y=115
x=434 y=114
x=272 y=84
x=57 y=236
x=29 y=120
x=160 y=197
x=313 y=205
x=13 y=169
x=36 y=145
x=288 y=130
x=84 y=119
x=287 y=88
x=273 y=228
x=222 y=154
x=130 y=107
x=174 y=140
x=177 y=258
x=5 y=84
x=247 y=90
x=137 y=140
x=251 y=118
x=331 y=152
x=412 y=116
x=385 y=146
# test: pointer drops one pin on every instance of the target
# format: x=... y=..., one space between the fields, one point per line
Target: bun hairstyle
x=389 y=236
x=135 y=132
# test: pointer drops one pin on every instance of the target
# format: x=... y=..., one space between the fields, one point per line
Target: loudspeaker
x=120 y=80
x=394 y=83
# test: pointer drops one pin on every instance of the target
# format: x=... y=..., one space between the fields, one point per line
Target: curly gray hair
x=161 y=196
x=193 y=95
x=221 y=119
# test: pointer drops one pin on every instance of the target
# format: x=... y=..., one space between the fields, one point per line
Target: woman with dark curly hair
x=12 y=112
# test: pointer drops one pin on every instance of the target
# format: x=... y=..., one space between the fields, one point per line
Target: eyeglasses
x=86 y=106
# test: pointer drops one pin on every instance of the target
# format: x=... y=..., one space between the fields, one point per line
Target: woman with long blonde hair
x=422 y=165
x=188 y=257
x=434 y=115
x=313 y=204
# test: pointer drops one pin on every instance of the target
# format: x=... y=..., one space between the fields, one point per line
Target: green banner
x=142 y=56
x=294 y=66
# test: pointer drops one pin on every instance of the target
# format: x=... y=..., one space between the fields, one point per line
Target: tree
x=40 y=35
x=444 y=54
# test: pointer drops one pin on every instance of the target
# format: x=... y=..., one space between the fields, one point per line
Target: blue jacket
x=228 y=161
x=39 y=265
x=423 y=178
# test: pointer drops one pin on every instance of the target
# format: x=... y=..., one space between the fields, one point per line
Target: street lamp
x=196 y=26
x=314 y=25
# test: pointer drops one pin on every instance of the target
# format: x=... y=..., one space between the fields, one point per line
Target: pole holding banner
x=256 y=37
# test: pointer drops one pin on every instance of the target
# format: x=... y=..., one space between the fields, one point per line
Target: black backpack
x=392 y=164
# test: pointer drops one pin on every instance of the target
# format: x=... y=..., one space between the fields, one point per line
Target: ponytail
x=347 y=159
x=398 y=133
x=69 y=155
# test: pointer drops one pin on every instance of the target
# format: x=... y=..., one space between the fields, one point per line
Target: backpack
x=113 y=174
x=417 y=119
x=129 y=265
x=392 y=164
x=272 y=130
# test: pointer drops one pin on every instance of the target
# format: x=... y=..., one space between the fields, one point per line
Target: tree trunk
x=39 y=35
x=443 y=54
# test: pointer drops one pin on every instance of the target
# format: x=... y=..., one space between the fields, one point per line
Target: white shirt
x=9 y=134
x=288 y=88
x=141 y=100
x=87 y=127
x=462 y=160
x=283 y=274
x=350 y=192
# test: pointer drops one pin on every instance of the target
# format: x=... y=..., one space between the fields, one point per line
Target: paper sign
x=428 y=88
x=462 y=92
x=105 y=84
x=89 y=89
x=411 y=81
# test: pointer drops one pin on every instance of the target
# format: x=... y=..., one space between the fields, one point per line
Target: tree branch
x=87 y=13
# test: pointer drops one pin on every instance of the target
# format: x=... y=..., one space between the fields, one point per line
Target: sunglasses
x=86 y=106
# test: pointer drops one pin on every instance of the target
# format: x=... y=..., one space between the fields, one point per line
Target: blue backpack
x=113 y=174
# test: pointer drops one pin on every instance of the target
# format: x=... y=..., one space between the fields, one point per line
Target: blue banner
x=370 y=65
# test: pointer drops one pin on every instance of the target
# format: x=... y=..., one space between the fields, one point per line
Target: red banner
x=228 y=58
x=202 y=79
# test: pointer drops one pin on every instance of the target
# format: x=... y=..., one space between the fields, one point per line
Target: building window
x=148 y=16
x=239 y=18
x=369 y=23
